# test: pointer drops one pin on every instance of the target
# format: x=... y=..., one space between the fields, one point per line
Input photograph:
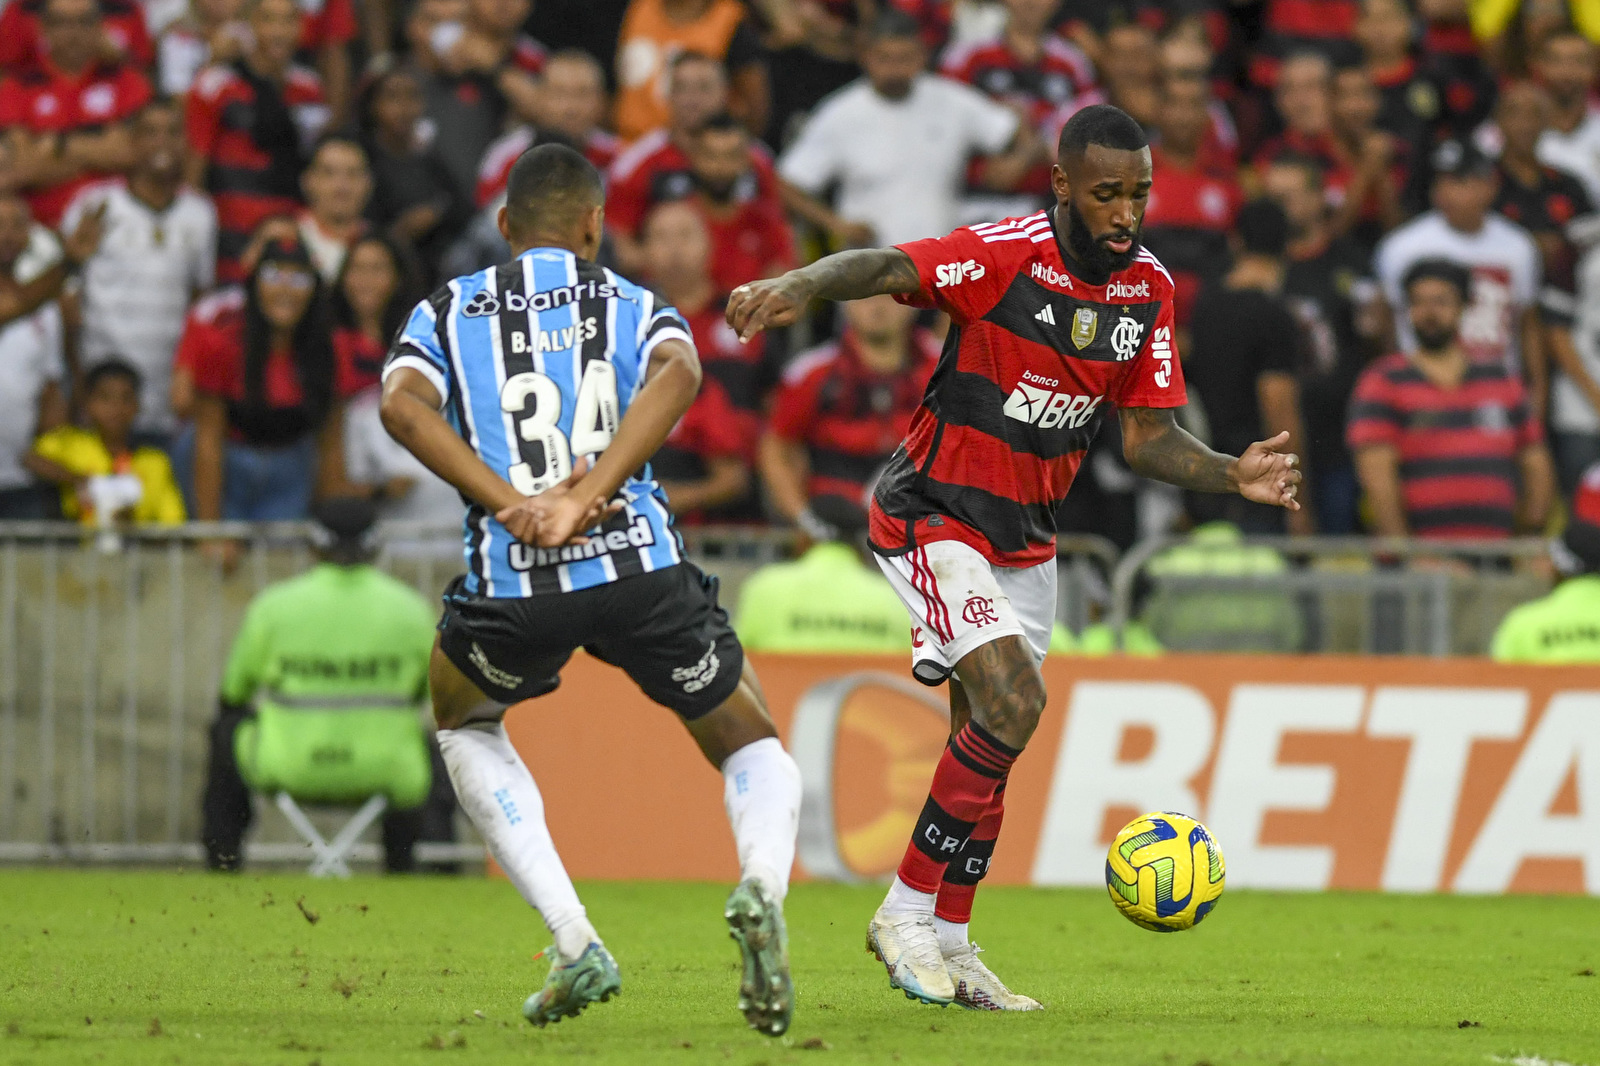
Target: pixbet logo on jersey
x=1050 y=276
x=1118 y=291
x=1048 y=409
x=955 y=273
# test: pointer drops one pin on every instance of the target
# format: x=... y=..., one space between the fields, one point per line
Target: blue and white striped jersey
x=537 y=360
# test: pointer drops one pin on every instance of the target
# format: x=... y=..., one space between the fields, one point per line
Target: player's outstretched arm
x=854 y=275
x=1157 y=447
x=410 y=412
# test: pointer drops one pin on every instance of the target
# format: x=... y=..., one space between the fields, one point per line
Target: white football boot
x=976 y=986
x=908 y=947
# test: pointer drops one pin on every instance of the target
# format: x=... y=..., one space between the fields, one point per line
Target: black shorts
x=664 y=629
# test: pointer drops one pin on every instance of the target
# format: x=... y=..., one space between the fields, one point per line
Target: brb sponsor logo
x=1046 y=408
x=955 y=273
x=1161 y=351
x=1120 y=291
x=1050 y=276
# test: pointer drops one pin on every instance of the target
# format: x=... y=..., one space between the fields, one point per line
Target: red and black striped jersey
x=1034 y=358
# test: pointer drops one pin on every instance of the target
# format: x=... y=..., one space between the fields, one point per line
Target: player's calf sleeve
x=496 y=790
x=761 y=791
x=969 y=772
x=970 y=865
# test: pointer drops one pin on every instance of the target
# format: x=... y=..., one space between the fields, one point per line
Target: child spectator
x=98 y=467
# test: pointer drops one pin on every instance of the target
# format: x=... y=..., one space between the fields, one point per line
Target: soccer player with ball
x=1055 y=318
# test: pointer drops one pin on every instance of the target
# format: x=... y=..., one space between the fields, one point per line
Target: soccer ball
x=1164 y=872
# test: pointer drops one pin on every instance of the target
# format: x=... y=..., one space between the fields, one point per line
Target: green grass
x=434 y=970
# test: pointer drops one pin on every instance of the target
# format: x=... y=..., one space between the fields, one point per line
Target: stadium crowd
x=215 y=213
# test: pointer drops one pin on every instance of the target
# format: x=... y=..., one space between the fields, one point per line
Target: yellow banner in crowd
x=1314 y=772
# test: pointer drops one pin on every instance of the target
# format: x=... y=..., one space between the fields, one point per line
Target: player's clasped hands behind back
x=557 y=516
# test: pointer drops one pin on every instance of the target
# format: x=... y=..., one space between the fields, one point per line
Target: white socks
x=903 y=899
x=761 y=791
x=498 y=794
x=952 y=935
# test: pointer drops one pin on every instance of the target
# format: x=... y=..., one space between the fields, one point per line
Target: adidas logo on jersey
x=1118 y=291
x=1050 y=276
x=1050 y=410
x=1047 y=315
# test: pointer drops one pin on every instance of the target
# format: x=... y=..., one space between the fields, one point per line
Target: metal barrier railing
x=111 y=652
x=1328 y=594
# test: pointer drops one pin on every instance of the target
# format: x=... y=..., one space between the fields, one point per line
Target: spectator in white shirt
x=897 y=142
x=158 y=254
x=1565 y=66
x=338 y=185
x=31 y=372
x=1501 y=323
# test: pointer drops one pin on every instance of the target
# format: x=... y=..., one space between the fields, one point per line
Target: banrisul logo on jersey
x=485 y=303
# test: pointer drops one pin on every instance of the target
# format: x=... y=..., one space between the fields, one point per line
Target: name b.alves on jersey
x=537 y=361
x=1034 y=358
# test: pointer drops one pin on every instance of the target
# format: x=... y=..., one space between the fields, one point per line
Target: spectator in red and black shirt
x=250 y=123
x=844 y=407
x=572 y=104
x=1304 y=101
x=1030 y=69
x=657 y=167
x=706 y=463
x=66 y=116
x=1539 y=198
x=1446 y=447
x=1380 y=163
x=1411 y=107
x=123 y=34
x=1191 y=206
x=750 y=237
x=678 y=251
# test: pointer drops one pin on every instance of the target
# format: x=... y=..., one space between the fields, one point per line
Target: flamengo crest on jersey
x=537 y=360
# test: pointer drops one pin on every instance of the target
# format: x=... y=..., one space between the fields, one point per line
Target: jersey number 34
x=535 y=401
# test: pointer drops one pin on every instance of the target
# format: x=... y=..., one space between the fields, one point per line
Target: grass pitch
x=136 y=967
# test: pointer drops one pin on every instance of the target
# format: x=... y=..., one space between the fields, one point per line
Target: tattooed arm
x=1157 y=447
x=852 y=275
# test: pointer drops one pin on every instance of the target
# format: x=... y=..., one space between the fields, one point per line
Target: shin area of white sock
x=903 y=899
x=498 y=793
x=761 y=791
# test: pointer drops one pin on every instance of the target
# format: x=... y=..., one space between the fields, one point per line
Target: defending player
x=1056 y=317
x=537 y=365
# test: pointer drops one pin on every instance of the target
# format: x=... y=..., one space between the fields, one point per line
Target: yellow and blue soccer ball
x=1164 y=872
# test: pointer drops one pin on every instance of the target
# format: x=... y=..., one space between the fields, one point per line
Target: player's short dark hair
x=1263 y=228
x=551 y=187
x=1448 y=271
x=893 y=24
x=1104 y=124
x=111 y=369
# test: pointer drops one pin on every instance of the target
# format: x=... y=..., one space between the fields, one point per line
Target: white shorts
x=959 y=601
